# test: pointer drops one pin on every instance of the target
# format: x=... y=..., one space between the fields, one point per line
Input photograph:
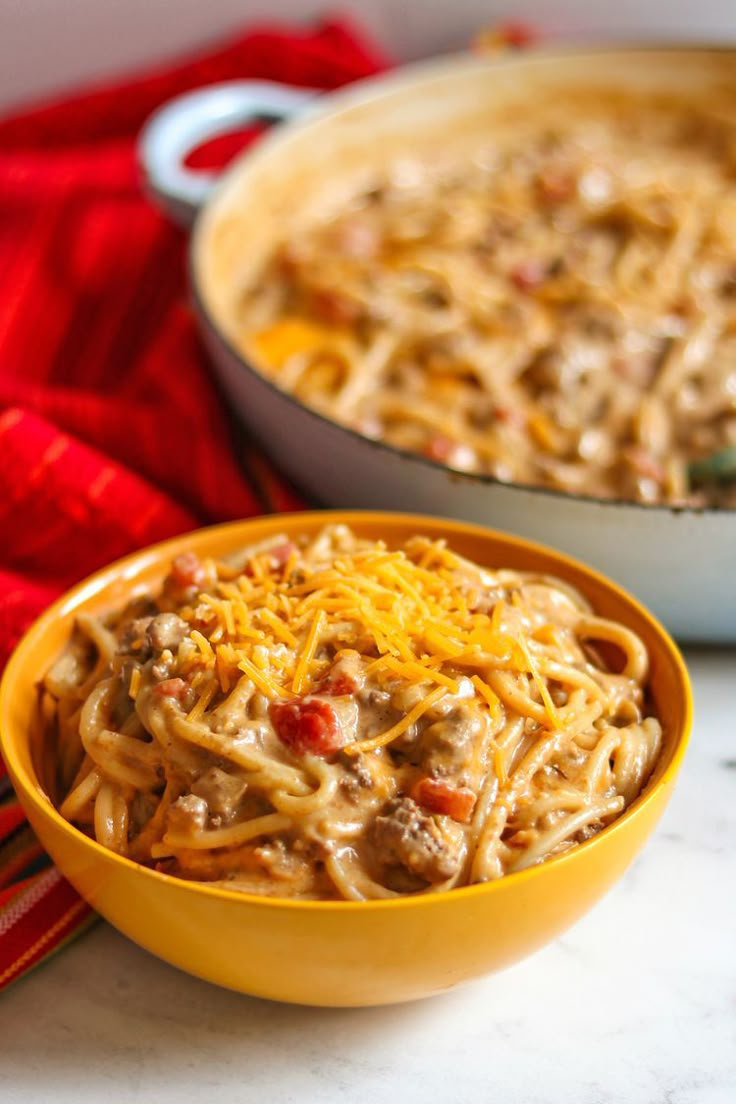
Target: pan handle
x=184 y=123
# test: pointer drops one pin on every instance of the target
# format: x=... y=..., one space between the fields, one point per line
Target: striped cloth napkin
x=111 y=432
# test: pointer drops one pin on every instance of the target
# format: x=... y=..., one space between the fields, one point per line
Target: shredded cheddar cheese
x=485 y=691
x=202 y=702
x=204 y=646
x=410 y=608
x=308 y=652
x=400 y=726
x=540 y=683
x=264 y=683
x=135 y=682
x=278 y=343
x=418 y=672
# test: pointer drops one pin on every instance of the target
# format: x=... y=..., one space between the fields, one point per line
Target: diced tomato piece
x=280 y=553
x=441 y=797
x=510 y=415
x=203 y=620
x=528 y=275
x=346 y=676
x=307 y=725
x=171 y=688
x=439 y=448
x=339 y=683
x=511 y=35
x=248 y=568
x=556 y=186
x=644 y=464
x=517 y=34
x=271 y=560
x=333 y=307
x=187 y=570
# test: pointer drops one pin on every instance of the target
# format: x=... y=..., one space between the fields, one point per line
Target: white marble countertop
x=636 y=1004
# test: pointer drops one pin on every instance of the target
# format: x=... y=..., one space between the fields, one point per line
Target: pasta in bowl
x=317 y=723
x=335 y=719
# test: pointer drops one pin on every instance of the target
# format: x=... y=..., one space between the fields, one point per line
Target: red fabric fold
x=112 y=434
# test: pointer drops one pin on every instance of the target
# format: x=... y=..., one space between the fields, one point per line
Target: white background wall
x=46 y=45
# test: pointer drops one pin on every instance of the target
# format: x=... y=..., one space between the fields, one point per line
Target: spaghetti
x=556 y=307
x=336 y=719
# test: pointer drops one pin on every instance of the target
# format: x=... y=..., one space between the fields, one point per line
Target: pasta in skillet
x=331 y=718
x=555 y=307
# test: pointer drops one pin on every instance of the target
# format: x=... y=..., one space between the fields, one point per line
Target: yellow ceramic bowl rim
x=30 y=788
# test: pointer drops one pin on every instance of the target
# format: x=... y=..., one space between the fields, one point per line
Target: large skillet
x=679 y=561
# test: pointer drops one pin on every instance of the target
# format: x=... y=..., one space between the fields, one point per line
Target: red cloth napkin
x=111 y=432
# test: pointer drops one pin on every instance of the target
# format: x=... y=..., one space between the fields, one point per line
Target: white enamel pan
x=680 y=562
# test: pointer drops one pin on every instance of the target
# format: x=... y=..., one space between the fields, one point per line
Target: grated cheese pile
x=410 y=612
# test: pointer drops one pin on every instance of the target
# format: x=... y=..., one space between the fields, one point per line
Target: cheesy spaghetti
x=336 y=719
x=555 y=307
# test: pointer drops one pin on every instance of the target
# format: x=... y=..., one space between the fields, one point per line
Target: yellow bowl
x=327 y=952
